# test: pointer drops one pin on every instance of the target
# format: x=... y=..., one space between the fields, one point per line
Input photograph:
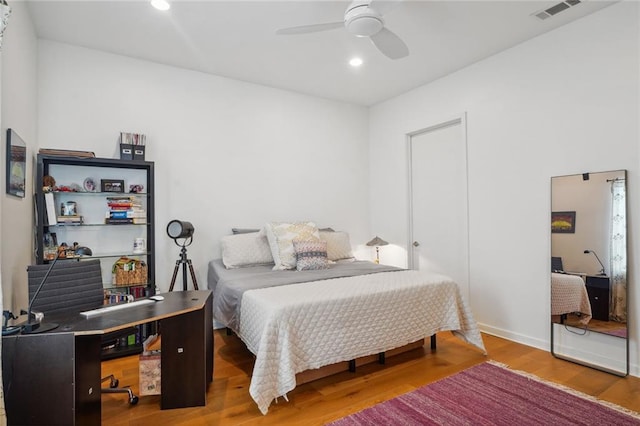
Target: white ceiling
x=237 y=39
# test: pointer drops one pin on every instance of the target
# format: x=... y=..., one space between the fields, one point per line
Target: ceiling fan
x=363 y=18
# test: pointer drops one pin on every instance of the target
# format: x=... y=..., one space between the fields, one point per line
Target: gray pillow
x=243 y=230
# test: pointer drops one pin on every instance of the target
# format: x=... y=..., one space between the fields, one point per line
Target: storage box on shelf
x=128 y=271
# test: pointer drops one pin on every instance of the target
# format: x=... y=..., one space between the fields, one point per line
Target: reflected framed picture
x=563 y=222
x=16 y=164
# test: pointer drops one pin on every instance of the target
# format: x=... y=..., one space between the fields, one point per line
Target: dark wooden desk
x=54 y=377
x=599 y=296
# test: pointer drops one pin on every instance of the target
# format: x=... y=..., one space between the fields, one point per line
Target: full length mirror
x=589 y=269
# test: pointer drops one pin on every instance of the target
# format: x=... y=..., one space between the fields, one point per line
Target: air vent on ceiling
x=554 y=10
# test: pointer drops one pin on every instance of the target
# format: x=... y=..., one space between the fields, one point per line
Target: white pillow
x=281 y=236
x=338 y=245
x=242 y=250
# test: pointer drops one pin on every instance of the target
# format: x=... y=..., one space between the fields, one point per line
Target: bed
x=569 y=295
x=296 y=321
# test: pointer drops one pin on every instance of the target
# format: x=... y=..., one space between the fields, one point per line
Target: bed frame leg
x=381 y=358
x=352 y=366
x=229 y=332
x=433 y=342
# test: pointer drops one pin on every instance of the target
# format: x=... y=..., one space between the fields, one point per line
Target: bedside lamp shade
x=377 y=242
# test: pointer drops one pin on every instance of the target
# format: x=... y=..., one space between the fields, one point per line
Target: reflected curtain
x=618 y=267
x=5 y=12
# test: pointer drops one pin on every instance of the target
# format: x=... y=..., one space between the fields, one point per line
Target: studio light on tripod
x=182 y=230
x=179 y=229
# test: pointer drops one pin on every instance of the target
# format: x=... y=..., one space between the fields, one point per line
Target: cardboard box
x=150 y=373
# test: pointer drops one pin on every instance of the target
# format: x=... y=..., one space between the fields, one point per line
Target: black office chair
x=75 y=286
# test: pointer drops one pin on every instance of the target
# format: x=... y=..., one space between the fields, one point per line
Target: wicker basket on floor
x=128 y=271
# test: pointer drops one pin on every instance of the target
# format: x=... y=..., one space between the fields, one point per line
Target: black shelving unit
x=107 y=241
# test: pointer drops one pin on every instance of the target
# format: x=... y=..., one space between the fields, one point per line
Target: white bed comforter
x=309 y=325
x=568 y=295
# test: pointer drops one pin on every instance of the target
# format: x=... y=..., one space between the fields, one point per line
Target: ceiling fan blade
x=390 y=44
x=384 y=6
x=310 y=28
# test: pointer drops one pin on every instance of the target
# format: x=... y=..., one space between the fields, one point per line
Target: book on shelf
x=120 y=206
x=118 y=221
x=70 y=219
x=123 y=198
x=118 y=214
x=125 y=213
x=66 y=153
x=50 y=208
x=126 y=221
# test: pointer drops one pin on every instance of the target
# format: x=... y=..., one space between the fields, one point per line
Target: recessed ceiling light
x=160 y=4
x=355 y=62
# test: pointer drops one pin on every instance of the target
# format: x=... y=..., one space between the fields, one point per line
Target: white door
x=438 y=195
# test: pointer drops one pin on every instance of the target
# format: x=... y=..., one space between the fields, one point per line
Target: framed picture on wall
x=16 y=164
x=563 y=222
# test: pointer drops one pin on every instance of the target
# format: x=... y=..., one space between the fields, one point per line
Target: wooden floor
x=331 y=398
x=612 y=327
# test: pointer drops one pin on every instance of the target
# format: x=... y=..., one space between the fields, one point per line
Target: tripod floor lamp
x=181 y=230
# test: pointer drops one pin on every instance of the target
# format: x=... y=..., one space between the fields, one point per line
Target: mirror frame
x=588 y=332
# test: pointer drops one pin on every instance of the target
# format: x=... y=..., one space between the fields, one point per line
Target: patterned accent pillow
x=338 y=245
x=311 y=255
x=243 y=250
x=281 y=236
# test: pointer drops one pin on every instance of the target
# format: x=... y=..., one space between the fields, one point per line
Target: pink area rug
x=618 y=332
x=489 y=394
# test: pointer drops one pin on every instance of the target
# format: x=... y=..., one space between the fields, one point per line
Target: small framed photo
x=563 y=222
x=111 y=185
x=89 y=185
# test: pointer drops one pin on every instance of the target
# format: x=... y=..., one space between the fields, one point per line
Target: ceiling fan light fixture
x=363 y=18
x=161 y=4
x=364 y=25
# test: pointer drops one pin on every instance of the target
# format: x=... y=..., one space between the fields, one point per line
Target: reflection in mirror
x=589 y=261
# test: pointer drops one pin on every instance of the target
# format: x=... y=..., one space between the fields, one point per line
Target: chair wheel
x=133 y=400
x=114 y=383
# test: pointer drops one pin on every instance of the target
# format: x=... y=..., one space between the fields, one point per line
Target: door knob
x=416 y=244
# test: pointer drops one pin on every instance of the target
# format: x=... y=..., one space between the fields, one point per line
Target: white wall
x=563 y=103
x=19 y=53
x=227 y=153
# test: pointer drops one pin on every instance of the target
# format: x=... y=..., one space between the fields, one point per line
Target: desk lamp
x=32 y=325
x=594 y=253
x=377 y=242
